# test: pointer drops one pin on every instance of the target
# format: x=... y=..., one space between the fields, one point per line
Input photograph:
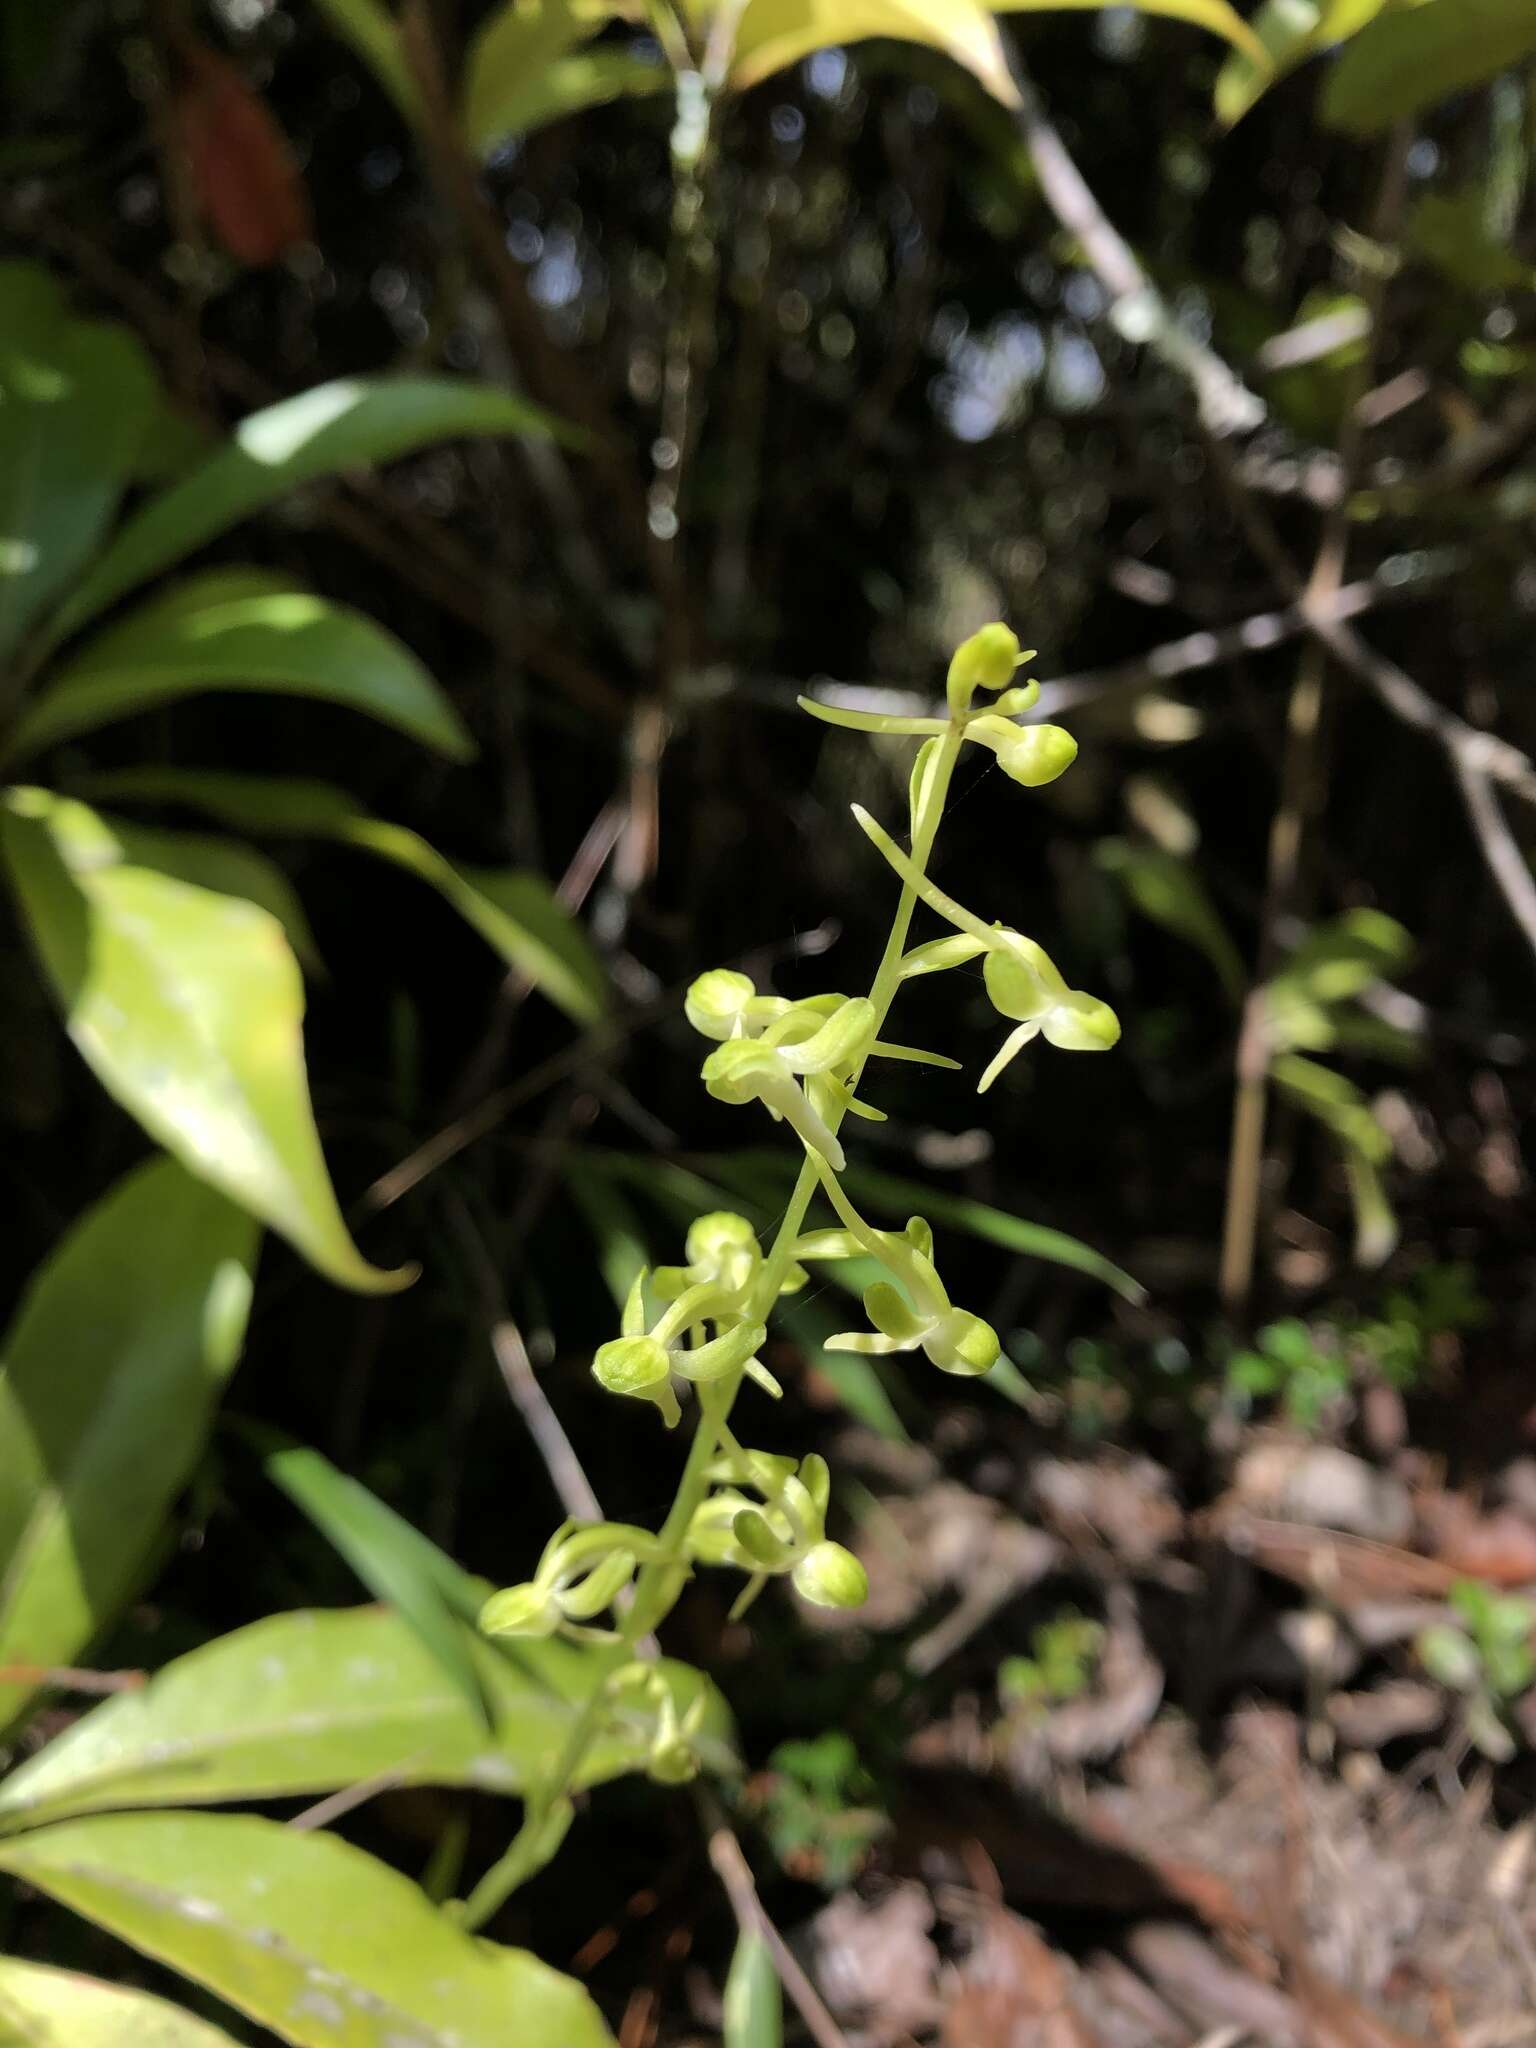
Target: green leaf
x=621 y=1251
x=75 y=396
x=243 y=629
x=227 y=866
x=307 y=1935
x=187 y=1006
x=1410 y=57
x=1213 y=15
x=754 y=2005
x=514 y=911
x=304 y=1703
x=369 y=26
x=392 y=1559
x=993 y=1226
x=1169 y=891
x=334 y=427
x=1340 y=1107
x=1216 y=15
x=1450 y=229
x=43 y=2008
x=1290 y=31
x=1342 y=958
x=112 y=1369
x=525 y=67
x=773 y=34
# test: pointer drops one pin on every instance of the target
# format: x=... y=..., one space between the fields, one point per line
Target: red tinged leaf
x=243 y=174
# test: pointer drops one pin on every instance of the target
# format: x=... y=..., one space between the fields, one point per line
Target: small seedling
x=1488 y=1659
x=818 y=1811
x=1064 y=1654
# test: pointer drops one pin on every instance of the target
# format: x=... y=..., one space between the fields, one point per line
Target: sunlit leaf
x=111 y=1372
x=305 y=1703
x=188 y=1007
x=242 y=629
x=76 y=398
x=44 y=2008
x=1291 y=31
x=1216 y=15
x=307 y=1935
x=369 y=26
x=526 y=66
x=773 y=34
x=1410 y=57
x=227 y=866
x=513 y=910
x=334 y=427
x=397 y=1564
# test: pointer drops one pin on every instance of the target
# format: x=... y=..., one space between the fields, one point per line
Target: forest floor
x=1162 y=1760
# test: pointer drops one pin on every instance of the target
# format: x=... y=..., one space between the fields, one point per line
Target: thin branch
x=1506 y=863
x=544 y=1425
x=364 y=509
x=1164 y=663
x=735 y=1874
x=1138 y=309
x=575 y=1490
x=350 y=1797
x=69 y=1678
x=1483 y=753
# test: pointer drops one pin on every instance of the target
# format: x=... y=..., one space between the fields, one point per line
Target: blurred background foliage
x=845 y=384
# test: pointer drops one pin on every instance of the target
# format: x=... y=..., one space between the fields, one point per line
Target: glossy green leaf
x=526 y=66
x=310 y=1937
x=1290 y=31
x=301 y=1704
x=513 y=910
x=334 y=427
x=806 y=1319
x=394 y=1561
x=1410 y=57
x=754 y=2005
x=773 y=34
x=188 y=1007
x=111 y=1372
x=242 y=629
x=369 y=26
x=1217 y=16
x=227 y=866
x=75 y=398
x=1170 y=892
x=44 y=2008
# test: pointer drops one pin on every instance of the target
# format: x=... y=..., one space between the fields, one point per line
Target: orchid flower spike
x=724 y=1255
x=784 y=1533
x=584 y=1569
x=642 y=1363
x=1023 y=981
x=768 y=1069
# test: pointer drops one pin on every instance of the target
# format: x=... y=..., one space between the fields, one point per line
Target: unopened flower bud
x=984 y=662
x=520 y=1611
x=830 y=1576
